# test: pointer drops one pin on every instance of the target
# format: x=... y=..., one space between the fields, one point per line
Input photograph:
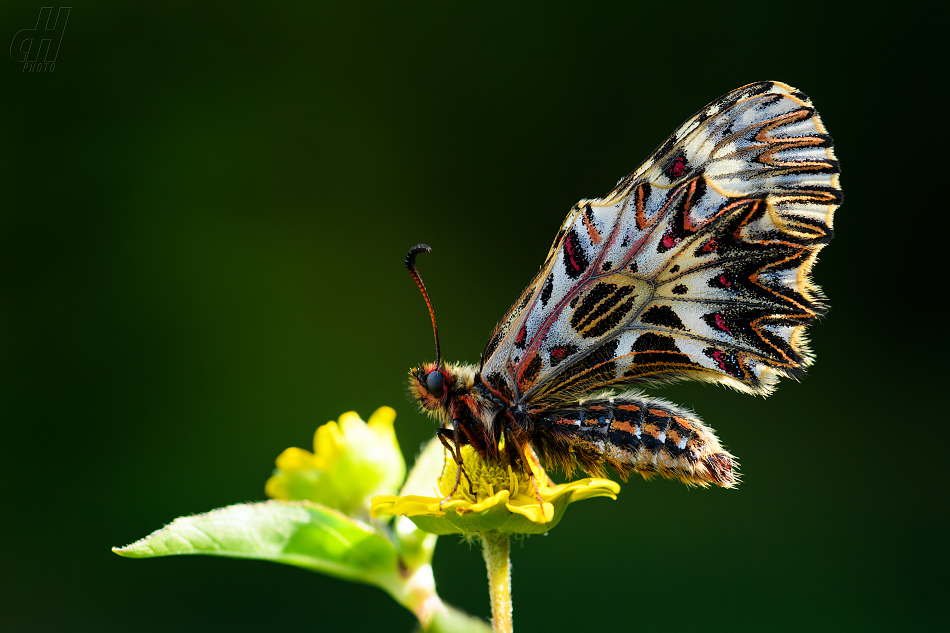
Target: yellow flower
x=351 y=462
x=505 y=500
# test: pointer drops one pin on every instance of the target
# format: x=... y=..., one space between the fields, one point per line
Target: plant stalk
x=496 y=551
x=416 y=592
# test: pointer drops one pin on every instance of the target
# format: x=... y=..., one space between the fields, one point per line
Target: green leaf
x=300 y=533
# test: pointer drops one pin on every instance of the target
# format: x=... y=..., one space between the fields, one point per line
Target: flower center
x=487 y=478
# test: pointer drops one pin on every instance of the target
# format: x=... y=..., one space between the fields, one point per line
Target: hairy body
x=625 y=431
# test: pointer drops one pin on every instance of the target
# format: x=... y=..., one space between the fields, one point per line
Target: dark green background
x=203 y=217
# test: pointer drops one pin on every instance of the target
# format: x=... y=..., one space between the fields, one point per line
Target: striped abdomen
x=630 y=434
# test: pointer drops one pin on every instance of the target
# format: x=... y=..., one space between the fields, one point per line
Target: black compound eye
x=435 y=384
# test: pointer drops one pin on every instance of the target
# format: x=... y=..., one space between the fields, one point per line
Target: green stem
x=496 y=552
x=416 y=592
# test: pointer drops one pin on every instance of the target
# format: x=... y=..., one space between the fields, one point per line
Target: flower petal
x=328 y=443
x=530 y=509
x=493 y=496
x=596 y=487
x=412 y=505
x=381 y=422
x=383 y=506
x=499 y=498
x=295 y=459
x=351 y=464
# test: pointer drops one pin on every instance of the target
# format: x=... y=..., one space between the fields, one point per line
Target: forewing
x=695 y=266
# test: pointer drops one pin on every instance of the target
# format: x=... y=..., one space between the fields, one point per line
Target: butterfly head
x=443 y=390
x=431 y=385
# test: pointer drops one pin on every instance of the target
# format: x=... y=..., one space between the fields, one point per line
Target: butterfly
x=696 y=266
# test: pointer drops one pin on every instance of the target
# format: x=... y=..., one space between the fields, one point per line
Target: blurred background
x=204 y=212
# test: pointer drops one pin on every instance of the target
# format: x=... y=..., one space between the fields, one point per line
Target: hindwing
x=695 y=266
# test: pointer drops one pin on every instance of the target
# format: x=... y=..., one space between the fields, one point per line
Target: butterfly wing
x=695 y=266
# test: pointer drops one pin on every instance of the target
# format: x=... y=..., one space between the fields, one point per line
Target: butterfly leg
x=537 y=492
x=453 y=444
x=520 y=453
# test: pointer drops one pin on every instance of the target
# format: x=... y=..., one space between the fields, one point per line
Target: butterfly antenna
x=411 y=265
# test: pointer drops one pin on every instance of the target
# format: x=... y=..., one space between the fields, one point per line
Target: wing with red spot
x=695 y=266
